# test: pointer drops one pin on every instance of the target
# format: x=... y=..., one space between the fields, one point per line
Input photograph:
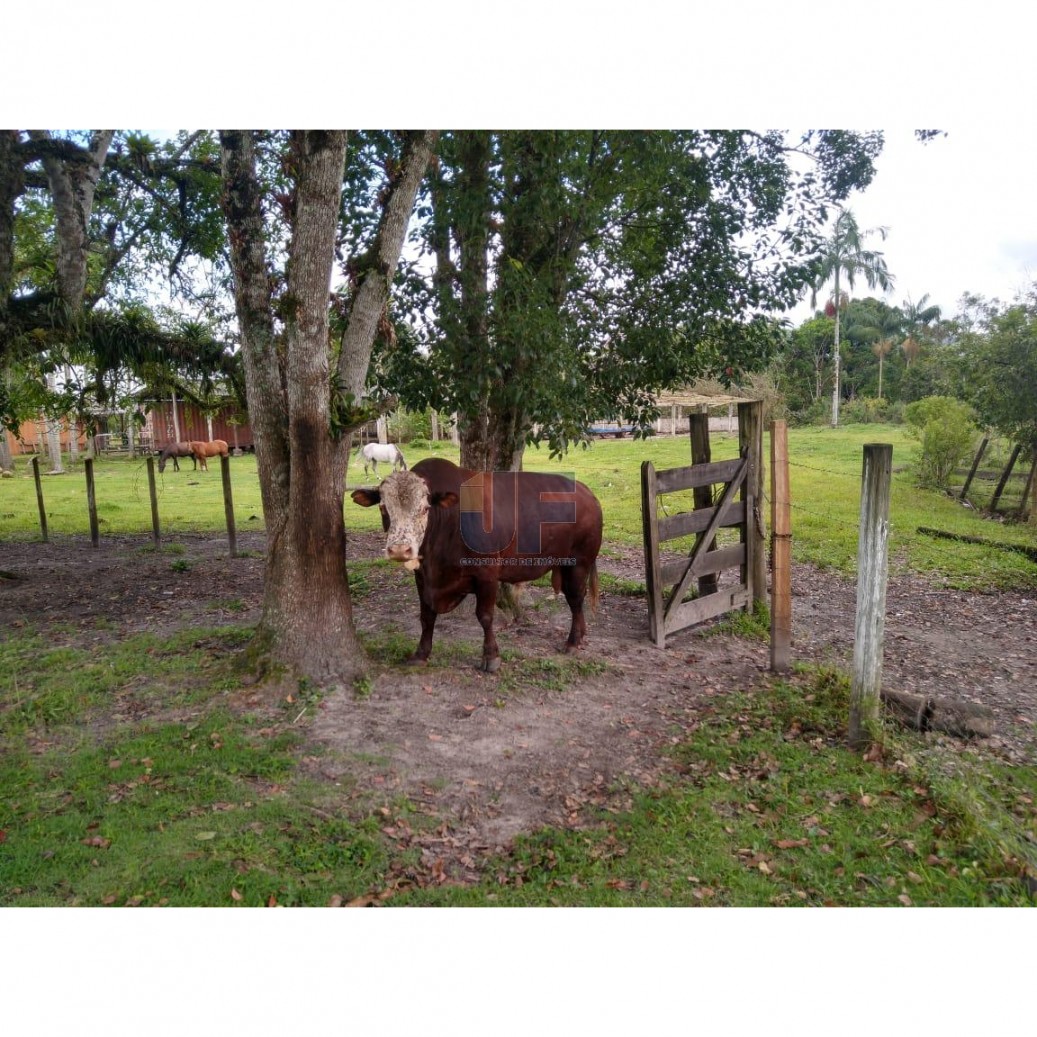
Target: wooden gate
x=668 y=612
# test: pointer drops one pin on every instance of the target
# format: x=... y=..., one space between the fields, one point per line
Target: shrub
x=865 y=411
x=406 y=425
x=946 y=429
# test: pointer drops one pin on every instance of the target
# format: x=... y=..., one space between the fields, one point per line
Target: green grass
x=770 y=809
x=138 y=769
x=825 y=486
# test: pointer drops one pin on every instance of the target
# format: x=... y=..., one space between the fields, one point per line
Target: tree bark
x=72 y=185
x=307 y=614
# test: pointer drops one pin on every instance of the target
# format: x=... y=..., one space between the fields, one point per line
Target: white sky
x=961 y=214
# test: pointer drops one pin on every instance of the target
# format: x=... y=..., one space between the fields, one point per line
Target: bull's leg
x=574 y=586
x=428 y=624
x=485 y=604
x=428 y=627
x=176 y=467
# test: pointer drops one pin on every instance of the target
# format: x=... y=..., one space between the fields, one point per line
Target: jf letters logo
x=499 y=509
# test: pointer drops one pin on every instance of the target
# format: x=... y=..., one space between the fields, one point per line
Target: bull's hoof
x=489 y=665
x=418 y=660
x=570 y=648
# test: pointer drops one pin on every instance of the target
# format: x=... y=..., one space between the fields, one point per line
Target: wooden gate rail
x=669 y=613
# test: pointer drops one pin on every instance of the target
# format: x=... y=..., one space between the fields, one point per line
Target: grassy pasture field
x=825 y=478
x=97 y=808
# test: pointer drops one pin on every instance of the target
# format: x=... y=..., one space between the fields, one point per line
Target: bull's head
x=404 y=499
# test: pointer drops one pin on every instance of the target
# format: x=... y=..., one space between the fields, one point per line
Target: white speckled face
x=405 y=499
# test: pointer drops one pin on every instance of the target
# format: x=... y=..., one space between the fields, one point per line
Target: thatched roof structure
x=695 y=399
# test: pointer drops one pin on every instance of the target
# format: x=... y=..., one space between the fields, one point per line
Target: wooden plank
x=750 y=441
x=651 y=542
x=995 y=500
x=781 y=550
x=671 y=480
x=91 y=503
x=701 y=454
x=975 y=464
x=687 y=522
x=39 y=494
x=872 y=565
x=707 y=537
x=228 y=506
x=156 y=533
x=710 y=562
x=690 y=613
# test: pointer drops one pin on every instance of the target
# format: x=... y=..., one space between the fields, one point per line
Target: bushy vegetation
x=946 y=429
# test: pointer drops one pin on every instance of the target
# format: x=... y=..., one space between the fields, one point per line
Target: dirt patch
x=551 y=739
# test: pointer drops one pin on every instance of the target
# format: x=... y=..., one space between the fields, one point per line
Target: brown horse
x=173 y=451
x=203 y=450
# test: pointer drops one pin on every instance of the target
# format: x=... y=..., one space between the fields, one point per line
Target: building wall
x=194 y=426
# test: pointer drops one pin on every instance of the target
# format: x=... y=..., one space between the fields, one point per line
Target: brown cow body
x=423 y=511
x=215 y=447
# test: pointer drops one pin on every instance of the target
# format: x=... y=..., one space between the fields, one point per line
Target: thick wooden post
x=656 y=627
x=91 y=503
x=1028 y=489
x=698 y=424
x=39 y=496
x=156 y=534
x=781 y=550
x=872 y=556
x=975 y=465
x=228 y=506
x=750 y=445
x=1003 y=481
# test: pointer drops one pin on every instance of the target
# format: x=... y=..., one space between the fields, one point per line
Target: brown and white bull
x=464 y=532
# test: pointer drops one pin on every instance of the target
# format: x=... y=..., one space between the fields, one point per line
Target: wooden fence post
x=91 y=503
x=1003 y=481
x=656 y=626
x=698 y=428
x=228 y=506
x=872 y=556
x=750 y=444
x=975 y=466
x=781 y=550
x=156 y=535
x=39 y=496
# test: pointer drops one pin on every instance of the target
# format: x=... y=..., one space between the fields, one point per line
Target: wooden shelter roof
x=688 y=398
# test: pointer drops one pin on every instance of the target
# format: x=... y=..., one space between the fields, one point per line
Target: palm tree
x=882 y=349
x=917 y=319
x=846 y=256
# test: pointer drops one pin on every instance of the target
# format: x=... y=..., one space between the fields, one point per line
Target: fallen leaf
x=99 y=841
x=235 y=895
x=789 y=844
x=763 y=866
x=905 y=900
x=205 y=835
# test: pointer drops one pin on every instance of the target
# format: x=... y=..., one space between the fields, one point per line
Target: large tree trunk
x=307 y=615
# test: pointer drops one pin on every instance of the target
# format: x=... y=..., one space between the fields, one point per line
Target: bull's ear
x=366 y=498
x=444 y=500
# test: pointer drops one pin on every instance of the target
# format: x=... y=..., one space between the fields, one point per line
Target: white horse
x=387 y=452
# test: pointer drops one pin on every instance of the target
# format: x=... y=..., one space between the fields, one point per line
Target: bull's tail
x=592 y=587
